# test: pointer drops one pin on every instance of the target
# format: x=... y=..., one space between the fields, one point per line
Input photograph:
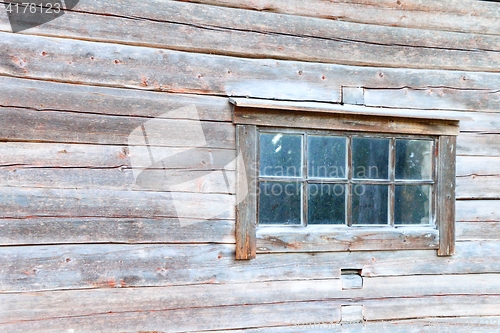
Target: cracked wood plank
x=94 y=230
x=250 y=34
x=39 y=202
x=177 y=320
x=32 y=268
x=461 y=16
x=53 y=304
x=47 y=96
x=70 y=127
x=435 y=98
x=154 y=69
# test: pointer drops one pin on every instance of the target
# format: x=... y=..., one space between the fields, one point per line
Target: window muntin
x=345 y=179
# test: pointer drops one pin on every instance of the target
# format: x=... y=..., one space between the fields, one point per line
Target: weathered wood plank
x=51 y=304
x=61 y=155
x=69 y=127
x=342 y=122
x=190 y=319
x=246 y=192
x=302 y=315
x=29 y=202
x=478 y=210
x=251 y=34
x=478 y=177
x=473 y=144
x=445 y=198
x=437 y=306
x=320 y=238
x=156 y=69
x=47 y=96
x=87 y=230
x=90 y=302
x=434 y=98
x=120 y=179
x=486 y=324
x=478 y=187
x=467 y=231
x=31 y=268
x=462 y=16
x=478 y=166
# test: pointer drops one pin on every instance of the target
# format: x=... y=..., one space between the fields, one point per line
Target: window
x=337 y=178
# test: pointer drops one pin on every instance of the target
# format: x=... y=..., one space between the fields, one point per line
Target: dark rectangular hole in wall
x=351 y=278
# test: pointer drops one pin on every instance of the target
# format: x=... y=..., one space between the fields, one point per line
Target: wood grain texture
x=88 y=230
x=53 y=304
x=28 y=202
x=487 y=324
x=467 y=231
x=462 y=16
x=475 y=144
x=343 y=122
x=189 y=319
x=446 y=184
x=32 y=268
x=320 y=238
x=246 y=192
x=164 y=70
x=435 y=98
x=120 y=179
x=69 y=127
x=78 y=98
x=251 y=34
x=478 y=210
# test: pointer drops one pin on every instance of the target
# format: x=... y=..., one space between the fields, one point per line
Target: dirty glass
x=280 y=155
x=280 y=203
x=326 y=157
x=413 y=159
x=370 y=204
x=370 y=158
x=412 y=204
x=326 y=204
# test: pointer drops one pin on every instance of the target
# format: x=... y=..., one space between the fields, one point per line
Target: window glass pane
x=326 y=204
x=326 y=157
x=280 y=155
x=280 y=203
x=412 y=204
x=369 y=204
x=370 y=158
x=413 y=159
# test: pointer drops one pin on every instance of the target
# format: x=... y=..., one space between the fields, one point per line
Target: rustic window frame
x=250 y=114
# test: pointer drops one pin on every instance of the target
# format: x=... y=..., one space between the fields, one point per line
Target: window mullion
x=348 y=188
x=304 y=182
x=392 y=187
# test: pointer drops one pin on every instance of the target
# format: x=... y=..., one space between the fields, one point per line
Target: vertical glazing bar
x=348 y=186
x=305 y=190
x=392 y=175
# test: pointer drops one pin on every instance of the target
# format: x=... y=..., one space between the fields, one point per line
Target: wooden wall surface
x=83 y=248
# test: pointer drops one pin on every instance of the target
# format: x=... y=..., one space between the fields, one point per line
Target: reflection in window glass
x=280 y=203
x=326 y=204
x=412 y=204
x=280 y=155
x=370 y=158
x=370 y=204
x=413 y=159
x=326 y=157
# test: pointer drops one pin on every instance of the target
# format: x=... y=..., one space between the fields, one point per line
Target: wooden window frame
x=251 y=114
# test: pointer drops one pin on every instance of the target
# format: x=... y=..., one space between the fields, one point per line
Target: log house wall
x=82 y=249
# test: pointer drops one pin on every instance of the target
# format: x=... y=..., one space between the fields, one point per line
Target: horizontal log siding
x=89 y=250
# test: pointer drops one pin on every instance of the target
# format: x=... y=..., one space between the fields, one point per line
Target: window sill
x=327 y=238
